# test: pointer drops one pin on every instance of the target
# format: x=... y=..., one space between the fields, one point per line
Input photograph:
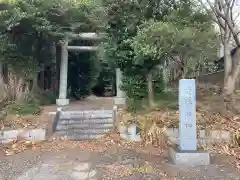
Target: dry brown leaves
x=153 y=124
x=18 y=146
x=60 y=144
x=116 y=170
x=18 y=122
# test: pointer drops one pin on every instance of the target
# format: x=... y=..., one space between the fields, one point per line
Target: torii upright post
x=62 y=100
x=121 y=97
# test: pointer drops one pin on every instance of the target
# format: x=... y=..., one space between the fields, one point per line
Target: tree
x=184 y=41
x=123 y=19
x=31 y=32
x=225 y=16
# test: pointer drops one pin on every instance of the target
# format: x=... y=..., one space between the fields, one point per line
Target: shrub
x=15 y=98
x=45 y=97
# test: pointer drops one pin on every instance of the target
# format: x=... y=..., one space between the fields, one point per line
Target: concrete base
x=119 y=101
x=62 y=102
x=189 y=157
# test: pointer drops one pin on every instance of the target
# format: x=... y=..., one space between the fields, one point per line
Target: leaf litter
x=153 y=125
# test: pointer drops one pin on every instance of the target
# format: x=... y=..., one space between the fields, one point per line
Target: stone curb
x=204 y=136
x=28 y=134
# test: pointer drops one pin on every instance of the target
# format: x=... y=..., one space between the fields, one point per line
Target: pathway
x=91 y=103
x=116 y=164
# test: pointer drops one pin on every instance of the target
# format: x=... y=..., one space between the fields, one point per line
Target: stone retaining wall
x=205 y=137
x=28 y=134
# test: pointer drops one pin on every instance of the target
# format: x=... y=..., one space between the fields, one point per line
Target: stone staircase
x=83 y=125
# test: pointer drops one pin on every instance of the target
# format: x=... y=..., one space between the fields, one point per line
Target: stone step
x=85 y=121
x=97 y=116
x=87 y=114
x=83 y=126
x=78 y=136
x=88 y=131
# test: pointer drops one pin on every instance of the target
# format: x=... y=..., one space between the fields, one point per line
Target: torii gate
x=63 y=100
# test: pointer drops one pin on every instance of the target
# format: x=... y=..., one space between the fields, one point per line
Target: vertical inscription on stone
x=187 y=114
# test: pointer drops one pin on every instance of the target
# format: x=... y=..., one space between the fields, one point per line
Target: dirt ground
x=110 y=158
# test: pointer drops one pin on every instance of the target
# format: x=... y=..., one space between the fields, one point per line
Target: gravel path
x=124 y=164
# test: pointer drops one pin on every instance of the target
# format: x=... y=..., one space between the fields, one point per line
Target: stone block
x=201 y=134
x=172 y=132
x=221 y=135
x=213 y=135
x=9 y=134
x=189 y=158
x=37 y=134
x=24 y=133
x=62 y=102
x=119 y=100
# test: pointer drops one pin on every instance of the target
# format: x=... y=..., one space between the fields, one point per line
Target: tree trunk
x=1 y=74
x=58 y=61
x=34 y=83
x=53 y=72
x=40 y=61
x=232 y=72
x=42 y=76
x=150 y=90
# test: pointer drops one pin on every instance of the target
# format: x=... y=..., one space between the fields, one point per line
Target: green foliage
x=143 y=35
x=30 y=28
x=28 y=106
x=167 y=100
x=123 y=18
x=23 y=109
x=162 y=39
x=84 y=68
x=135 y=87
x=45 y=97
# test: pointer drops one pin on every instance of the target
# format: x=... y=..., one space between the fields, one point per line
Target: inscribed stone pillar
x=62 y=101
x=121 y=97
x=187 y=113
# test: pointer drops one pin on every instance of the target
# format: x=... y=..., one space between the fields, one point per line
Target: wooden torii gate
x=63 y=100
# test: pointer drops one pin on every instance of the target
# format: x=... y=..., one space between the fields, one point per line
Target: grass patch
x=46 y=98
x=23 y=109
x=165 y=100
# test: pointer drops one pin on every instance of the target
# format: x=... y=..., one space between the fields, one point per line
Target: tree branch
x=227 y=21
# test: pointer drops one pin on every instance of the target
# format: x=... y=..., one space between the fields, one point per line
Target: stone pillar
x=62 y=101
x=121 y=97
